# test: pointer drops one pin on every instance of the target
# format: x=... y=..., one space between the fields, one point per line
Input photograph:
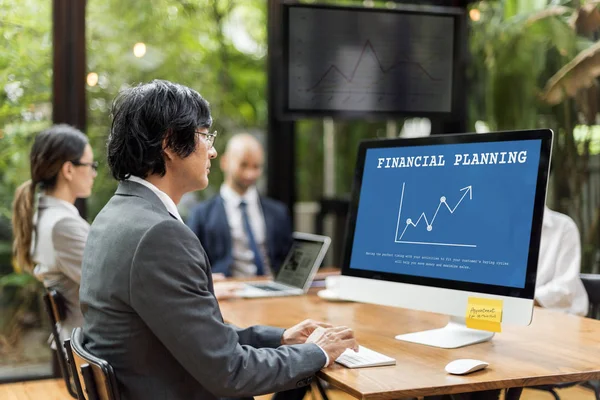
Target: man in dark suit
x=146 y=289
x=244 y=234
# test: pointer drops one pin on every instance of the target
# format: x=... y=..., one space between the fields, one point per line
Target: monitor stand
x=455 y=334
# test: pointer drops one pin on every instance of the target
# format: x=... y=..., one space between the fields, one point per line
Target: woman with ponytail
x=49 y=235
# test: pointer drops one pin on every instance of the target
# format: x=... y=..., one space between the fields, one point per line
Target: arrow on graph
x=467 y=190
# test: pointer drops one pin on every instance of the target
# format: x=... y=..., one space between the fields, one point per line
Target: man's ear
x=67 y=171
x=223 y=162
x=169 y=153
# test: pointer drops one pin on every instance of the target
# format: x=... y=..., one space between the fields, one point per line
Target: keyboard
x=267 y=287
x=262 y=289
x=364 y=358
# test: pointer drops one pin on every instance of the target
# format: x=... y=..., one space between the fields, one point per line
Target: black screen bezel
x=457 y=106
x=545 y=135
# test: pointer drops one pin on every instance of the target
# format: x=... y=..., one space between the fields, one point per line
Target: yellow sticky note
x=484 y=314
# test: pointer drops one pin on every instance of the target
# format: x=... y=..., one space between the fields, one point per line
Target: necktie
x=260 y=270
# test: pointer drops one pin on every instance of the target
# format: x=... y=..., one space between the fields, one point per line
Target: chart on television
x=369 y=61
x=460 y=212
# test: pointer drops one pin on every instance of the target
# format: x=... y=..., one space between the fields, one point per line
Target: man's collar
x=163 y=197
x=231 y=196
x=131 y=188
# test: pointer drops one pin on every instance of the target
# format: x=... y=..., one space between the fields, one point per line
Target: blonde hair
x=22 y=224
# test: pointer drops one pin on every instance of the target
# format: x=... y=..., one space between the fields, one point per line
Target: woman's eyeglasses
x=94 y=164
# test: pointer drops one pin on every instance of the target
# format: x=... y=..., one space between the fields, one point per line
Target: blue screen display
x=459 y=212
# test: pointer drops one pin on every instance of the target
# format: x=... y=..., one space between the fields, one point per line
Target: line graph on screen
x=361 y=77
x=386 y=62
x=428 y=222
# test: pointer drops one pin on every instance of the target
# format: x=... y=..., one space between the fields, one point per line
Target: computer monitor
x=436 y=220
x=355 y=62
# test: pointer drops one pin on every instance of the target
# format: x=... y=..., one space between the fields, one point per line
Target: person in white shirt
x=50 y=238
x=558 y=285
x=244 y=234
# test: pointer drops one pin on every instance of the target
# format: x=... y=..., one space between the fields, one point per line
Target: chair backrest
x=337 y=208
x=96 y=376
x=592 y=287
x=56 y=310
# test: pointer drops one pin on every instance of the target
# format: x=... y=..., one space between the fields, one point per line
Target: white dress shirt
x=243 y=256
x=164 y=198
x=558 y=285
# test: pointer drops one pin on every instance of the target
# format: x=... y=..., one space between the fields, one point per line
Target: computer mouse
x=465 y=366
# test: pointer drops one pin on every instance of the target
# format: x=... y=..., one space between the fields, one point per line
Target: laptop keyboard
x=268 y=288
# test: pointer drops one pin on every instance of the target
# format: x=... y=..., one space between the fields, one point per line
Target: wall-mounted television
x=361 y=62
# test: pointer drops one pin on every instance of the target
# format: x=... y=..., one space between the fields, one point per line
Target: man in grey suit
x=146 y=289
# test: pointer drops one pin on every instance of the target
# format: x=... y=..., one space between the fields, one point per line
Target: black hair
x=51 y=149
x=147 y=115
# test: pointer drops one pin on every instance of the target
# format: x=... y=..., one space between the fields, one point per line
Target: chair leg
x=90 y=384
x=595 y=386
x=64 y=368
x=73 y=368
x=513 y=393
x=321 y=389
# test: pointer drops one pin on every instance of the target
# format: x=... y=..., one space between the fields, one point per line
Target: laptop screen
x=303 y=260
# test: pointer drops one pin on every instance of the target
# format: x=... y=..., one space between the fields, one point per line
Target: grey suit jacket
x=149 y=310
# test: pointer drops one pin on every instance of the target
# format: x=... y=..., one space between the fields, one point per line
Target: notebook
x=297 y=271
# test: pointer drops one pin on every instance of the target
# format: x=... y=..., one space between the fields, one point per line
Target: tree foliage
x=535 y=64
x=215 y=47
x=25 y=90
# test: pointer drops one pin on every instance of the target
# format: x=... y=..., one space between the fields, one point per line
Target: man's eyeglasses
x=209 y=138
x=94 y=164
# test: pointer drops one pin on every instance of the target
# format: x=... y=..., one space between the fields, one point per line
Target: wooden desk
x=555 y=348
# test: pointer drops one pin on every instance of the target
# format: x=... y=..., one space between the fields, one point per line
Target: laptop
x=297 y=271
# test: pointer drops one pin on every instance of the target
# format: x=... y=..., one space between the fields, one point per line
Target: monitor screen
x=343 y=60
x=456 y=211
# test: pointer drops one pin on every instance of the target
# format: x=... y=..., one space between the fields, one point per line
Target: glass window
x=25 y=109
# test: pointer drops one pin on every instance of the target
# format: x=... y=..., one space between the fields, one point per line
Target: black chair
x=95 y=377
x=592 y=287
x=591 y=282
x=57 y=311
x=338 y=208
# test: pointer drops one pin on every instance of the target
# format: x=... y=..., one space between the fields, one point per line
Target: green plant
x=536 y=66
x=19 y=301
